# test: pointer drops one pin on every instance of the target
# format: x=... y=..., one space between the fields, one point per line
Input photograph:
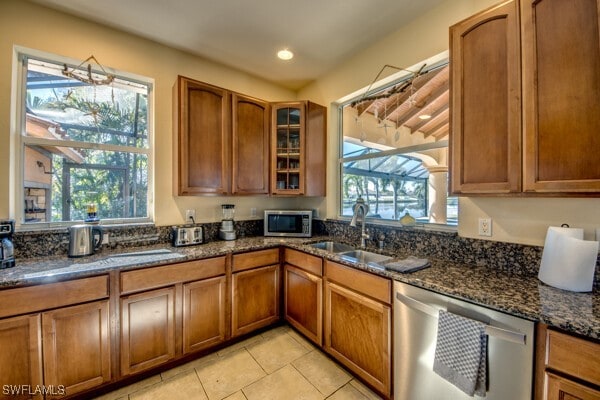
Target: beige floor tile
x=183 y=386
x=302 y=340
x=189 y=366
x=276 y=331
x=276 y=351
x=286 y=383
x=348 y=392
x=240 y=345
x=229 y=373
x=323 y=373
x=236 y=396
x=368 y=393
x=134 y=387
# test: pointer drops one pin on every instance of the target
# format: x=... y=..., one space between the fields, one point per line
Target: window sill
x=395 y=224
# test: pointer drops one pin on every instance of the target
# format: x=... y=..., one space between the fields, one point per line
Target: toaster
x=187 y=235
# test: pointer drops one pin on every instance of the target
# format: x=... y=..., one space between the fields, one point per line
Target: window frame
x=374 y=88
x=21 y=140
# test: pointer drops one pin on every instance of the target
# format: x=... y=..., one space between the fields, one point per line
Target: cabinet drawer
x=52 y=295
x=255 y=259
x=150 y=278
x=574 y=356
x=309 y=263
x=363 y=282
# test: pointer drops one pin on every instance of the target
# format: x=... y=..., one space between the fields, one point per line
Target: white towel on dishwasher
x=461 y=353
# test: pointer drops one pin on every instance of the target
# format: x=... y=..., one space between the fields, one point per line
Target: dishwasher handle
x=500 y=333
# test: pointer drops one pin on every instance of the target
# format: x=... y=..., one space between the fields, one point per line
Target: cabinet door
x=203 y=314
x=304 y=302
x=20 y=354
x=76 y=346
x=255 y=299
x=561 y=73
x=147 y=329
x=558 y=388
x=202 y=138
x=357 y=333
x=485 y=87
x=250 y=158
x=288 y=152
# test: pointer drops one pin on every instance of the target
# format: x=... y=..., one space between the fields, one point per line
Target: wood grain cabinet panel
x=558 y=388
x=202 y=145
x=250 y=138
x=561 y=73
x=525 y=78
x=20 y=353
x=485 y=144
x=147 y=329
x=76 y=347
x=358 y=334
x=303 y=303
x=255 y=299
x=203 y=314
x=567 y=367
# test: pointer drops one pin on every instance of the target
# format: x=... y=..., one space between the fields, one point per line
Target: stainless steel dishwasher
x=510 y=348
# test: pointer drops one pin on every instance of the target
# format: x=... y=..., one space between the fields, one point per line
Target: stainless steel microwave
x=288 y=223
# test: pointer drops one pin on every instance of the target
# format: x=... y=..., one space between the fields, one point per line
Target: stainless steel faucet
x=360 y=210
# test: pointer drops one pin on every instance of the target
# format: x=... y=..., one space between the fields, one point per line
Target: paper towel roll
x=568 y=261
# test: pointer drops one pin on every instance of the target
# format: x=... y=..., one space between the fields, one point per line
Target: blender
x=227 y=232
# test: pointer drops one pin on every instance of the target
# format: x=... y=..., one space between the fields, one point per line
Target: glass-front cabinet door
x=287 y=175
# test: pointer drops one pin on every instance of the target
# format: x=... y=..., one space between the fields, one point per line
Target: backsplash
x=33 y=244
x=509 y=257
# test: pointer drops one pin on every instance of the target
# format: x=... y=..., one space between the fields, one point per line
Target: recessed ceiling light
x=285 y=54
x=424 y=116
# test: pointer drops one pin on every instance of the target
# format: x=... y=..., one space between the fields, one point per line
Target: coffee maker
x=7 y=249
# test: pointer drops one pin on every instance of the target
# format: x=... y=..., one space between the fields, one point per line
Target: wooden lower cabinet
x=303 y=306
x=203 y=314
x=558 y=388
x=147 y=329
x=567 y=366
x=357 y=333
x=20 y=354
x=255 y=300
x=76 y=347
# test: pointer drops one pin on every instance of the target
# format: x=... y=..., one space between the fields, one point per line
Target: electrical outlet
x=253 y=212
x=485 y=227
x=190 y=215
x=105 y=238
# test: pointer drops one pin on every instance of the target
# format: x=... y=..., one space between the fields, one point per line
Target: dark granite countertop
x=521 y=295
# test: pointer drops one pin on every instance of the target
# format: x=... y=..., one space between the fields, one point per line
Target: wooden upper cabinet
x=202 y=146
x=298 y=149
x=561 y=75
x=485 y=144
x=250 y=172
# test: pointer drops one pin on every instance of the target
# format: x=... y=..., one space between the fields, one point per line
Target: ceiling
x=409 y=103
x=247 y=34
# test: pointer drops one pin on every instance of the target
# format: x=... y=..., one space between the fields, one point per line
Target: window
x=395 y=149
x=85 y=147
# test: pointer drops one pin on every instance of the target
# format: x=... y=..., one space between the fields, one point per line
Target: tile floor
x=277 y=364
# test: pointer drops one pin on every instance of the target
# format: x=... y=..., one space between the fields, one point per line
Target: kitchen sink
x=363 y=256
x=333 y=247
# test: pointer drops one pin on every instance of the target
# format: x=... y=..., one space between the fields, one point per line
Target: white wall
x=519 y=220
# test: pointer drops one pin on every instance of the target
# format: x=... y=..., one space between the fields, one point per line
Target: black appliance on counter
x=7 y=249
